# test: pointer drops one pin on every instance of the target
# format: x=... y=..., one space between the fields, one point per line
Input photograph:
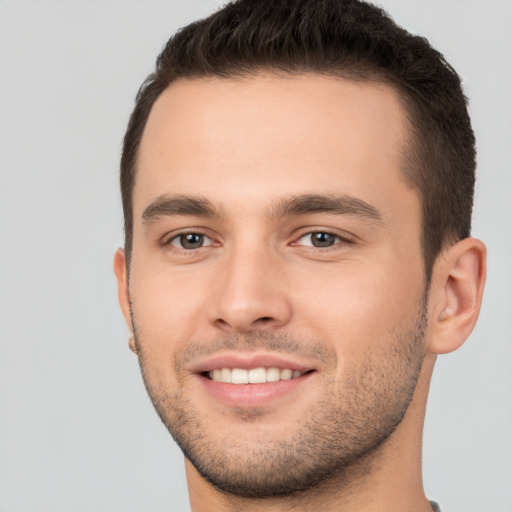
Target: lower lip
x=249 y=396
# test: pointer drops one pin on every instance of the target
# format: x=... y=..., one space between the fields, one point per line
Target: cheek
x=166 y=309
x=360 y=306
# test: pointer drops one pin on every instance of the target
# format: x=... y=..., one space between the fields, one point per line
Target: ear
x=456 y=294
x=123 y=294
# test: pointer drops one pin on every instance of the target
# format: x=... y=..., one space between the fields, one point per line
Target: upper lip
x=250 y=360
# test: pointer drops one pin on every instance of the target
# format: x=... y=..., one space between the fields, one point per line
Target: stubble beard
x=346 y=426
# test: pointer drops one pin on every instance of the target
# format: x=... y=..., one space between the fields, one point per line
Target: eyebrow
x=165 y=206
x=294 y=206
x=325 y=203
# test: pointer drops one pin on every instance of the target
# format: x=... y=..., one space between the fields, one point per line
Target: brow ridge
x=178 y=205
x=293 y=206
x=343 y=204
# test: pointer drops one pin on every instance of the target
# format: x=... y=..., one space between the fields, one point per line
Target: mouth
x=253 y=381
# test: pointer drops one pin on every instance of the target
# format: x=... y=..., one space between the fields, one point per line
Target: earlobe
x=133 y=344
x=456 y=294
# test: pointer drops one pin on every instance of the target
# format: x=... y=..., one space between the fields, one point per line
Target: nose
x=251 y=293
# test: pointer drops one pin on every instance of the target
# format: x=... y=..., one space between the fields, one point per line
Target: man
x=297 y=181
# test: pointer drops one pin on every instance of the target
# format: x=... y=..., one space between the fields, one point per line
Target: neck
x=386 y=480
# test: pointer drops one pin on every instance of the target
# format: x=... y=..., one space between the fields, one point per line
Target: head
x=292 y=175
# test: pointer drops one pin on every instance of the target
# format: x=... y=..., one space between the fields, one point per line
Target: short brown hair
x=343 y=38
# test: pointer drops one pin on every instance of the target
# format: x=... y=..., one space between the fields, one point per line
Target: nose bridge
x=251 y=290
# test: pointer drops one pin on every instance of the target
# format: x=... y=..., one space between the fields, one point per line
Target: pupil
x=191 y=241
x=323 y=239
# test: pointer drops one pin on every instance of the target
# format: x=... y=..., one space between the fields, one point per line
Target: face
x=276 y=280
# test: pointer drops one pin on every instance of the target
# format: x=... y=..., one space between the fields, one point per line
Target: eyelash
x=179 y=236
x=344 y=240
x=338 y=240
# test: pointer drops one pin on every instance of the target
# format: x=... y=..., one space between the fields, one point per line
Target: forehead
x=251 y=138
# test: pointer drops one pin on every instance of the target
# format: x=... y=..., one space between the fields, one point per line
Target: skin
x=356 y=312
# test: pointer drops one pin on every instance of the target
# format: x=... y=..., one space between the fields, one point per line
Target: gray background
x=77 y=432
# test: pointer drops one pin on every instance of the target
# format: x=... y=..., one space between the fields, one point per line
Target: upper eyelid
x=174 y=237
x=178 y=249
x=345 y=236
x=168 y=237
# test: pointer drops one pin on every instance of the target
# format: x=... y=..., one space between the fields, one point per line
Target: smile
x=254 y=379
x=259 y=375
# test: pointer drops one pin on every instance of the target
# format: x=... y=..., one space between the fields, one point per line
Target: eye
x=190 y=241
x=319 y=239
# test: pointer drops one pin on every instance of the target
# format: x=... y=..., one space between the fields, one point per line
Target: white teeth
x=225 y=375
x=239 y=376
x=252 y=376
x=273 y=374
x=257 y=375
x=286 y=374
